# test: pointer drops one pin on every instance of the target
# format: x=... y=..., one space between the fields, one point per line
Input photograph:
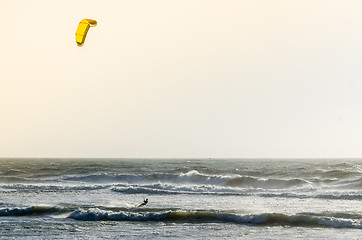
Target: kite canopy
x=82 y=30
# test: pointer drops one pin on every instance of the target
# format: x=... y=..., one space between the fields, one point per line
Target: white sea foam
x=96 y=214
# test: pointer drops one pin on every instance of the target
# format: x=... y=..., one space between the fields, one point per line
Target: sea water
x=187 y=198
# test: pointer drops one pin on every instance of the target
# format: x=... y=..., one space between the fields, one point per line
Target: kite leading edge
x=82 y=30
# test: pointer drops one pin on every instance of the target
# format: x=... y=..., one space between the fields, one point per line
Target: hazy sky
x=190 y=78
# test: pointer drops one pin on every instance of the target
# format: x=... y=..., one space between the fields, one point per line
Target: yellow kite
x=82 y=30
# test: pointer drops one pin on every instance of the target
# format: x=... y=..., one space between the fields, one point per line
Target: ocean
x=187 y=198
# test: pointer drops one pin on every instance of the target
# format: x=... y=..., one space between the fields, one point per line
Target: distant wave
x=226 y=191
x=251 y=182
x=20 y=170
x=342 y=171
x=176 y=189
x=51 y=187
x=11 y=179
x=96 y=214
x=331 y=196
x=161 y=188
x=350 y=184
x=193 y=177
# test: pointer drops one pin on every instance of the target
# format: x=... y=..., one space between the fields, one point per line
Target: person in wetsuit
x=145 y=201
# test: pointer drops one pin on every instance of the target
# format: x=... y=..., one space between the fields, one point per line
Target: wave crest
x=34 y=210
x=193 y=177
x=96 y=214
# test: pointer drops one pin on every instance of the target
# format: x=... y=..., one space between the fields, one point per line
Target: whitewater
x=188 y=198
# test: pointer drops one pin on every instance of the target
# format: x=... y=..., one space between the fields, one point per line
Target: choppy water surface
x=188 y=198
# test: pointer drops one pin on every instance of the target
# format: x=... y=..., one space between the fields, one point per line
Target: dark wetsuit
x=144 y=202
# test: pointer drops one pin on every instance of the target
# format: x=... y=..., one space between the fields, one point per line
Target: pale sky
x=190 y=78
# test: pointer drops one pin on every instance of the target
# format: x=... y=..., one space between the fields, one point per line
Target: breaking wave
x=324 y=219
x=34 y=210
x=303 y=219
x=193 y=177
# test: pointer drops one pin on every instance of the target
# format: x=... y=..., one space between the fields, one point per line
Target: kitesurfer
x=145 y=201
